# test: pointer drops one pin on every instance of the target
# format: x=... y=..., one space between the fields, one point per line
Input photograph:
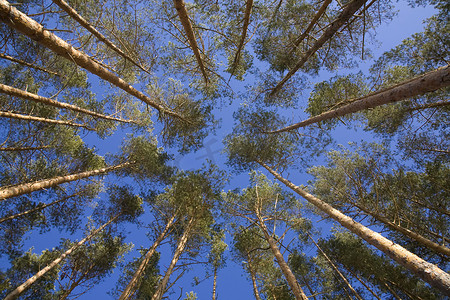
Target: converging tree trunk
x=24 y=63
x=430 y=273
x=417 y=86
x=12 y=91
x=180 y=248
x=184 y=18
x=22 y=23
x=343 y=17
x=10 y=115
x=129 y=290
x=26 y=188
x=253 y=277
x=20 y=289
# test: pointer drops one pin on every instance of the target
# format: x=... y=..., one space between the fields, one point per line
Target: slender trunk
x=83 y=22
x=419 y=85
x=4 y=56
x=180 y=248
x=214 y=284
x=364 y=284
x=131 y=287
x=253 y=277
x=10 y=115
x=411 y=234
x=290 y=278
x=343 y=17
x=428 y=272
x=336 y=269
x=27 y=26
x=438 y=209
x=184 y=18
x=9 y=90
x=76 y=283
x=24 y=148
x=36 y=209
x=26 y=188
x=393 y=293
x=311 y=25
x=20 y=289
x=248 y=11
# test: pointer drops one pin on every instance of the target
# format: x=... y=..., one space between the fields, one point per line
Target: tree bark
x=290 y=278
x=180 y=248
x=20 y=289
x=184 y=18
x=419 y=85
x=411 y=234
x=36 y=209
x=26 y=188
x=10 y=115
x=248 y=11
x=214 y=284
x=343 y=17
x=24 y=63
x=253 y=277
x=130 y=289
x=83 y=22
x=24 y=148
x=27 y=26
x=428 y=272
x=12 y=91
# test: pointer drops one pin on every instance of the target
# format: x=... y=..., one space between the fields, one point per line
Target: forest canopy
x=326 y=174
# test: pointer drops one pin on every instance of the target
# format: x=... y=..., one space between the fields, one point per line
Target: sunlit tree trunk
x=22 y=23
x=12 y=91
x=343 y=17
x=253 y=277
x=26 y=188
x=214 y=283
x=248 y=11
x=180 y=248
x=184 y=18
x=10 y=115
x=12 y=149
x=129 y=290
x=20 y=289
x=419 y=85
x=430 y=273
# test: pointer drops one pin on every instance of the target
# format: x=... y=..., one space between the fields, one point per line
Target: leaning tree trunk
x=184 y=18
x=12 y=91
x=290 y=278
x=253 y=277
x=24 y=63
x=419 y=85
x=10 y=115
x=430 y=273
x=214 y=284
x=20 y=289
x=83 y=22
x=343 y=17
x=180 y=248
x=26 y=188
x=22 y=23
x=129 y=290
x=405 y=231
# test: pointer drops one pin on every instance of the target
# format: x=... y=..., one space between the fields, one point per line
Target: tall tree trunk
x=290 y=278
x=12 y=91
x=253 y=277
x=130 y=289
x=428 y=272
x=184 y=18
x=336 y=269
x=22 y=23
x=10 y=115
x=343 y=17
x=214 y=284
x=83 y=22
x=24 y=148
x=24 y=63
x=180 y=248
x=364 y=284
x=26 y=188
x=36 y=208
x=76 y=283
x=419 y=85
x=20 y=289
x=411 y=234
x=248 y=11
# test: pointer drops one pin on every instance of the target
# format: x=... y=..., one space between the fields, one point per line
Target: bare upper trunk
x=12 y=91
x=214 y=284
x=248 y=11
x=129 y=290
x=253 y=277
x=21 y=22
x=26 y=188
x=425 y=270
x=20 y=289
x=419 y=85
x=343 y=17
x=10 y=115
